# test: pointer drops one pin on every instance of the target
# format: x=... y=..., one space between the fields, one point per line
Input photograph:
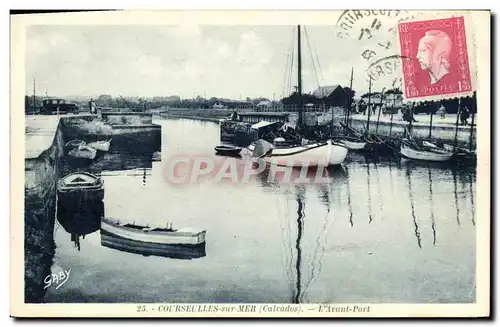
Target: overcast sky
x=222 y=61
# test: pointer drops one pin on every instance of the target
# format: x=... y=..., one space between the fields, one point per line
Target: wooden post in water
x=368 y=108
x=455 y=143
x=346 y=117
x=472 y=121
x=430 y=124
x=34 y=97
x=410 y=124
x=380 y=110
x=331 y=128
x=350 y=102
x=392 y=114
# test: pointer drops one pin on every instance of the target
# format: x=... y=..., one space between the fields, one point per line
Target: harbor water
x=380 y=231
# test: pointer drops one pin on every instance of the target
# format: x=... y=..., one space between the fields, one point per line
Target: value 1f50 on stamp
x=435 y=58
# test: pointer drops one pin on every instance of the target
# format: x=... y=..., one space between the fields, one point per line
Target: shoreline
x=441 y=131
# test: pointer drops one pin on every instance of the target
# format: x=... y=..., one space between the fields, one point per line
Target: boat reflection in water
x=285 y=176
x=186 y=243
x=80 y=220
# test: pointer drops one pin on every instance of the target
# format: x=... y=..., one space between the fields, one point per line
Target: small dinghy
x=80 y=186
x=351 y=143
x=156 y=156
x=228 y=150
x=73 y=144
x=461 y=154
x=410 y=151
x=101 y=145
x=185 y=243
x=83 y=151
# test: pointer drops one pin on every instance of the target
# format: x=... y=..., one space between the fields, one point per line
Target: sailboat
x=426 y=151
x=306 y=153
x=354 y=141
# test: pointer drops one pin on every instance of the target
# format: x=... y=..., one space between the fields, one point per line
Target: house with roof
x=332 y=95
x=264 y=104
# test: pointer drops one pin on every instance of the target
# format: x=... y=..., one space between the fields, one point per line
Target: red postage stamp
x=435 y=58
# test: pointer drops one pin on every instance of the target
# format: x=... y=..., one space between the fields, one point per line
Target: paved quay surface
x=40 y=131
x=422 y=120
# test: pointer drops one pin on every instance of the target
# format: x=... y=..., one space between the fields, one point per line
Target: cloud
x=252 y=52
x=225 y=61
x=149 y=65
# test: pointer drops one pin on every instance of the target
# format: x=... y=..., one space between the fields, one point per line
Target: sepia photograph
x=251 y=164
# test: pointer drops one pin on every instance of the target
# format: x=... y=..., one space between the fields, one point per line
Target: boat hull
x=409 y=153
x=79 y=187
x=310 y=155
x=227 y=151
x=180 y=237
x=69 y=198
x=176 y=251
x=83 y=152
x=353 y=145
x=100 y=146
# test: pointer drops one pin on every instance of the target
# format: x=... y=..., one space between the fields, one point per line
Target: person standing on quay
x=92 y=106
x=464 y=115
x=442 y=111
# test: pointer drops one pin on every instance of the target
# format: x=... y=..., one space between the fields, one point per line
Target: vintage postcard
x=250 y=164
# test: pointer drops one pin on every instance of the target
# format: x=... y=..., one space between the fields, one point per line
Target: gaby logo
x=189 y=169
x=57 y=279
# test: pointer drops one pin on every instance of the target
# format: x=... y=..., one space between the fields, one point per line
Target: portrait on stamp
x=435 y=57
x=194 y=164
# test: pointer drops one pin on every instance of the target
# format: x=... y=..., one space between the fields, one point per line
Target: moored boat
x=100 y=145
x=73 y=144
x=429 y=154
x=185 y=243
x=83 y=152
x=227 y=150
x=81 y=186
x=156 y=156
x=461 y=154
x=351 y=143
x=327 y=153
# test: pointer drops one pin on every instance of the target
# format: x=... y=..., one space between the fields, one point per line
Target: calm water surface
x=380 y=231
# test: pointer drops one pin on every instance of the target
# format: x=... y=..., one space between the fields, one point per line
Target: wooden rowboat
x=228 y=150
x=83 y=152
x=74 y=144
x=80 y=186
x=186 y=243
x=429 y=154
x=100 y=145
x=156 y=156
x=351 y=143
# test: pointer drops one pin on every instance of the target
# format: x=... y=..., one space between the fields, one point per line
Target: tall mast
x=299 y=76
x=34 y=97
x=299 y=65
x=369 y=105
x=349 y=103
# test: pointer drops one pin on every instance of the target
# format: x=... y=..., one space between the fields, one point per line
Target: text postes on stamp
x=435 y=58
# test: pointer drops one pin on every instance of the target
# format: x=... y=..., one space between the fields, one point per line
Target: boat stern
x=337 y=153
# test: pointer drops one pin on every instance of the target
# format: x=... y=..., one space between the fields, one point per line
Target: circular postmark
x=375 y=32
